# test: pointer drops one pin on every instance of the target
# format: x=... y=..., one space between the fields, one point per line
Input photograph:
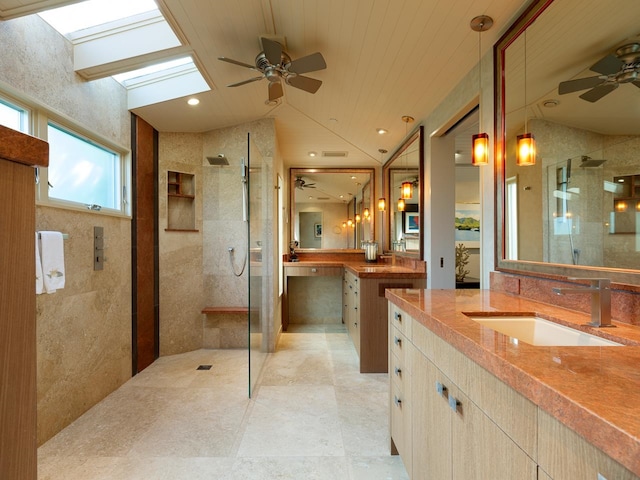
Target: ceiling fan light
x=526 y=150
x=480 y=149
x=401 y=204
x=407 y=190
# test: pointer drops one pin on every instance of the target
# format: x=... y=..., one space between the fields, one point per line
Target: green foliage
x=462 y=259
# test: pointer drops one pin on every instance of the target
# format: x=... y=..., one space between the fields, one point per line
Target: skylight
x=128 y=78
x=94 y=12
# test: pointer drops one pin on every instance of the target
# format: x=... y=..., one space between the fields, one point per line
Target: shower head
x=218 y=161
x=588 y=162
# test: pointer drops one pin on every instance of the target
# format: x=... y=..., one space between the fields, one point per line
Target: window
x=14 y=117
x=81 y=171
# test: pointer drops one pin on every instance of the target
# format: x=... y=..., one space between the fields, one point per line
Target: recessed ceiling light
x=312 y=154
x=193 y=101
x=381 y=131
x=341 y=196
x=353 y=177
x=551 y=103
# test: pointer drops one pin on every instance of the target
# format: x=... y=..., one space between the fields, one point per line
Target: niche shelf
x=181 y=196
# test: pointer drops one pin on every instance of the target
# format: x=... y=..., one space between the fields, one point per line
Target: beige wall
x=83 y=330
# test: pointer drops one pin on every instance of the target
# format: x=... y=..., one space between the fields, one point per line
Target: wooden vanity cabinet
x=368 y=325
x=449 y=435
x=565 y=455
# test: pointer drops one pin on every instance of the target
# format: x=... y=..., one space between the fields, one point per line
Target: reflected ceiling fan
x=623 y=67
x=301 y=184
x=274 y=64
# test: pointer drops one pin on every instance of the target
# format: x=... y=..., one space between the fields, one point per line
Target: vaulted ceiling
x=385 y=59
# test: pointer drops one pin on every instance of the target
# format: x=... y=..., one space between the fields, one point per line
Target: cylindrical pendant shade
x=382 y=204
x=526 y=154
x=407 y=190
x=401 y=205
x=480 y=149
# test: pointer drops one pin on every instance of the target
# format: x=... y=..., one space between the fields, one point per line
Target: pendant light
x=365 y=213
x=401 y=204
x=480 y=141
x=406 y=190
x=526 y=145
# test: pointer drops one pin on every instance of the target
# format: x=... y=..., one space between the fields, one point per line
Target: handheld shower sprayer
x=245 y=192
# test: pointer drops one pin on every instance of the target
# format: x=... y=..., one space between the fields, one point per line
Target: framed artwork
x=317 y=230
x=467 y=223
x=411 y=222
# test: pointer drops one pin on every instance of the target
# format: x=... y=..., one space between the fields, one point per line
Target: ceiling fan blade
x=244 y=82
x=307 y=64
x=578 y=84
x=597 y=93
x=275 y=91
x=272 y=50
x=607 y=65
x=307 y=84
x=236 y=62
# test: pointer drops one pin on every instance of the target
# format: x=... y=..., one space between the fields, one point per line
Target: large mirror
x=571 y=71
x=332 y=208
x=403 y=189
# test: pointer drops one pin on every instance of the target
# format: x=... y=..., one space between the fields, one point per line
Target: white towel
x=52 y=255
x=39 y=280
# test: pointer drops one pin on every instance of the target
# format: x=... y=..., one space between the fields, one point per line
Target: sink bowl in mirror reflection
x=540 y=332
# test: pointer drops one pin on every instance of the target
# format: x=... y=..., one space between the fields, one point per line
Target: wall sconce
x=480 y=142
x=382 y=204
x=526 y=153
x=407 y=190
x=366 y=214
x=620 y=206
x=480 y=149
x=401 y=205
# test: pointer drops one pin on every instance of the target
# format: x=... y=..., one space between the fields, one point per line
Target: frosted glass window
x=81 y=171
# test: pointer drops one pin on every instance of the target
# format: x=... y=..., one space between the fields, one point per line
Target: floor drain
x=204 y=367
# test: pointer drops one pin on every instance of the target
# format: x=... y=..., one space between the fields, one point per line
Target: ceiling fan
x=301 y=184
x=275 y=64
x=623 y=67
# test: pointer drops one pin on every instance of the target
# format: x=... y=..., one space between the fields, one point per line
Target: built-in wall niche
x=181 y=215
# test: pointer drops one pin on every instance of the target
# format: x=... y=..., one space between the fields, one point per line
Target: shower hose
x=233 y=267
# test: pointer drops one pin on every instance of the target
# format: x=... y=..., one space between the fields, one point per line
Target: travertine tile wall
x=83 y=330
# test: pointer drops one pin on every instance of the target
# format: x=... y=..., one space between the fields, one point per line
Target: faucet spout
x=600 y=291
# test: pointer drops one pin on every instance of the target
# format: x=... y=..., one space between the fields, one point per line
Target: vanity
x=362 y=297
x=470 y=402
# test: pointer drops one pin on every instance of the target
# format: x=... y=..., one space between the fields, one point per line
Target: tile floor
x=312 y=417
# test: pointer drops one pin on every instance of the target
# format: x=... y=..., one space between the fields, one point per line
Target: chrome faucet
x=600 y=291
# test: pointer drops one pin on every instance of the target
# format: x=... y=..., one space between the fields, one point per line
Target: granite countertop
x=593 y=390
x=362 y=269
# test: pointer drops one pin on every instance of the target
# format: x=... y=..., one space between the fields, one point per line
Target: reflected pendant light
x=382 y=204
x=406 y=189
x=401 y=204
x=526 y=144
x=480 y=142
x=365 y=213
x=358 y=218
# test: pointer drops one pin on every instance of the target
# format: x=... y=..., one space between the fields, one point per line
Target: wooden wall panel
x=145 y=245
x=18 y=447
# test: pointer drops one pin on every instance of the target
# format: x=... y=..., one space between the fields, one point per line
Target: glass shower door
x=257 y=211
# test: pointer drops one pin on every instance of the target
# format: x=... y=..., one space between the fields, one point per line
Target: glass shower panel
x=256 y=207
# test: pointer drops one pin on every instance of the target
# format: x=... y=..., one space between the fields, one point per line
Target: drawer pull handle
x=355 y=324
x=398 y=341
x=398 y=371
x=453 y=403
x=441 y=389
x=397 y=401
x=398 y=317
x=314 y=270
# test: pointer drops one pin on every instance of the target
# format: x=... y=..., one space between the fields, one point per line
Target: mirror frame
x=542 y=269
x=295 y=171
x=417 y=134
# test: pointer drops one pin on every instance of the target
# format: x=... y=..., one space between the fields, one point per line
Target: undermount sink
x=540 y=332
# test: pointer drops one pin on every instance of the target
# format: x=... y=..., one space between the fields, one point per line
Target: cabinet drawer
x=399 y=365
x=398 y=343
x=400 y=320
x=401 y=425
x=313 y=271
